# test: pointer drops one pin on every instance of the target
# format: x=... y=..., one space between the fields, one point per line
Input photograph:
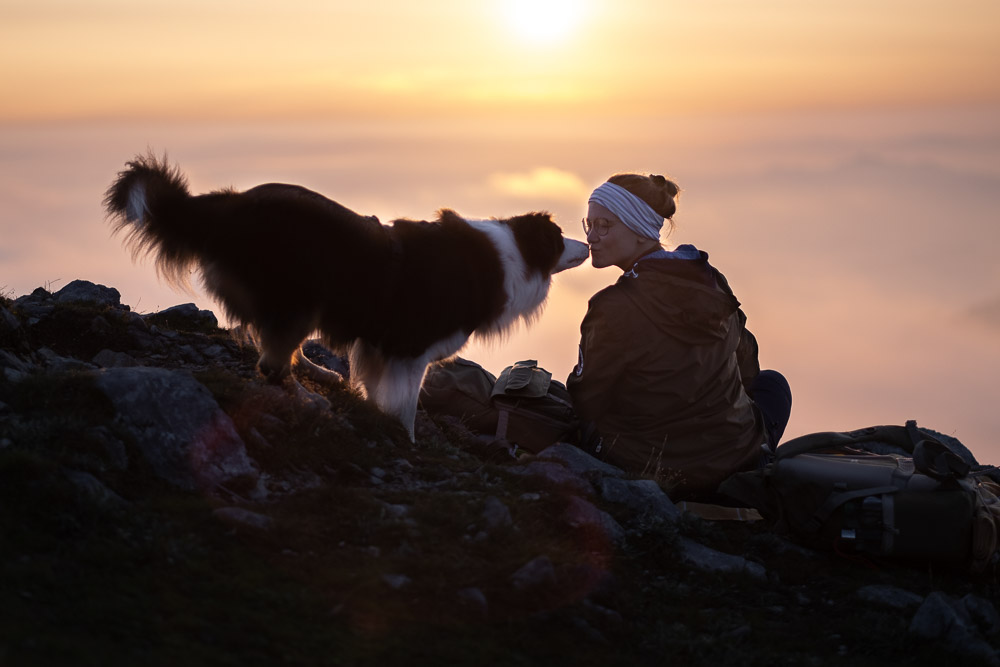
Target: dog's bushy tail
x=147 y=202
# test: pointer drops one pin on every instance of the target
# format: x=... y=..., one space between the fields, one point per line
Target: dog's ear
x=534 y=218
x=539 y=239
x=448 y=215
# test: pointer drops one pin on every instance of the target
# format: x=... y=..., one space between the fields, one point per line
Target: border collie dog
x=287 y=262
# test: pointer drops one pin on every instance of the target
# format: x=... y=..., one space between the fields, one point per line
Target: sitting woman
x=668 y=384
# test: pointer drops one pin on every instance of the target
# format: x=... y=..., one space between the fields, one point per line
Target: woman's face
x=618 y=246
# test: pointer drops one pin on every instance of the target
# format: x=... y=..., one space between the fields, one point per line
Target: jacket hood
x=685 y=298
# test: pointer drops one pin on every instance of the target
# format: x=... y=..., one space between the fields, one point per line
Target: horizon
x=840 y=162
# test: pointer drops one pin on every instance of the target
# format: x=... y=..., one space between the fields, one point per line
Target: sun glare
x=543 y=21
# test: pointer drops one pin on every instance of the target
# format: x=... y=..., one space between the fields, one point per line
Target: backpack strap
x=901 y=436
x=930 y=456
x=503 y=419
x=835 y=500
x=935 y=460
x=900 y=478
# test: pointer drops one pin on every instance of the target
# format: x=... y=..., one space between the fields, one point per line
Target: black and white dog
x=287 y=262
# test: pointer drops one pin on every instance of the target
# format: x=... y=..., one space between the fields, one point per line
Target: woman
x=668 y=381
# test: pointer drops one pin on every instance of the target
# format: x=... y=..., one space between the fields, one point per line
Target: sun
x=543 y=21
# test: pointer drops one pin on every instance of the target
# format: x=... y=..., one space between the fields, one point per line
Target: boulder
x=943 y=619
x=891 y=597
x=578 y=460
x=583 y=514
x=178 y=427
x=709 y=560
x=84 y=291
x=186 y=316
x=639 y=496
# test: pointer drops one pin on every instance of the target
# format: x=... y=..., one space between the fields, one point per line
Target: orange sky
x=230 y=58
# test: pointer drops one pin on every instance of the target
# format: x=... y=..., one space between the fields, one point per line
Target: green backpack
x=919 y=500
x=524 y=406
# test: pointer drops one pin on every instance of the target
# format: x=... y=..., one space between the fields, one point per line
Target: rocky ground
x=159 y=504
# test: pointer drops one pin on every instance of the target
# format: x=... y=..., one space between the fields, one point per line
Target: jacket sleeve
x=746 y=351
x=747 y=354
x=603 y=352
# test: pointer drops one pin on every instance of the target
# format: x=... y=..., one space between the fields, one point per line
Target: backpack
x=533 y=410
x=524 y=406
x=882 y=491
x=461 y=388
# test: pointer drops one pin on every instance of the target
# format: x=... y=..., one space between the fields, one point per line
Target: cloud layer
x=862 y=246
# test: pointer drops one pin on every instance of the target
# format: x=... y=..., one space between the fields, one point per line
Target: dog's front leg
x=399 y=390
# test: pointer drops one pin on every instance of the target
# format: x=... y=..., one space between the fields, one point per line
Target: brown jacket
x=664 y=360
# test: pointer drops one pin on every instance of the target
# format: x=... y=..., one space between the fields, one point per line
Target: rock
x=100 y=326
x=395 y=511
x=552 y=474
x=578 y=460
x=87 y=292
x=474 y=600
x=178 y=427
x=496 y=514
x=213 y=351
x=586 y=631
x=59 y=364
x=582 y=514
x=710 y=560
x=109 y=359
x=983 y=614
x=943 y=619
x=935 y=617
x=13 y=375
x=34 y=306
x=135 y=321
x=396 y=581
x=889 y=596
x=115 y=454
x=538 y=573
x=186 y=316
x=93 y=488
x=8 y=322
x=639 y=496
x=591 y=579
x=15 y=363
x=243 y=517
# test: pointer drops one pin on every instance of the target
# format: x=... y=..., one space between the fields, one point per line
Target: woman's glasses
x=602 y=225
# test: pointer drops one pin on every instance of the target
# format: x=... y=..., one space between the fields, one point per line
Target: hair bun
x=654 y=189
x=671 y=188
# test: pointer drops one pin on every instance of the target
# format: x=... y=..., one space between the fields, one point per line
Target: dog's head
x=543 y=245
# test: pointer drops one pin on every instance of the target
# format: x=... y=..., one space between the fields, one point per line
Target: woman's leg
x=773 y=396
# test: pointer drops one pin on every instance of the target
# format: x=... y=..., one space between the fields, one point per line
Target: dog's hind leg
x=278 y=346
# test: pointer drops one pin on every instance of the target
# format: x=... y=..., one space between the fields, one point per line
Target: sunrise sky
x=231 y=59
x=840 y=161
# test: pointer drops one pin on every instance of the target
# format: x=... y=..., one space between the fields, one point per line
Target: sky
x=839 y=161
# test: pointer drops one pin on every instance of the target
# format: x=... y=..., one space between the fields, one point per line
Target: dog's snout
x=574 y=254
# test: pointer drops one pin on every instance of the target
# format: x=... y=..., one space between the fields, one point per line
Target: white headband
x=631 y=210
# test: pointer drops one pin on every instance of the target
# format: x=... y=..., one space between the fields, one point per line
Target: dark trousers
x=773 y=397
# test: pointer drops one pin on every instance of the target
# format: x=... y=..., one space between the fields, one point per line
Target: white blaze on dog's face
x=574 y=254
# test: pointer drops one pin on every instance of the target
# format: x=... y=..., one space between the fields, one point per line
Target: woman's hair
x=660 y=193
